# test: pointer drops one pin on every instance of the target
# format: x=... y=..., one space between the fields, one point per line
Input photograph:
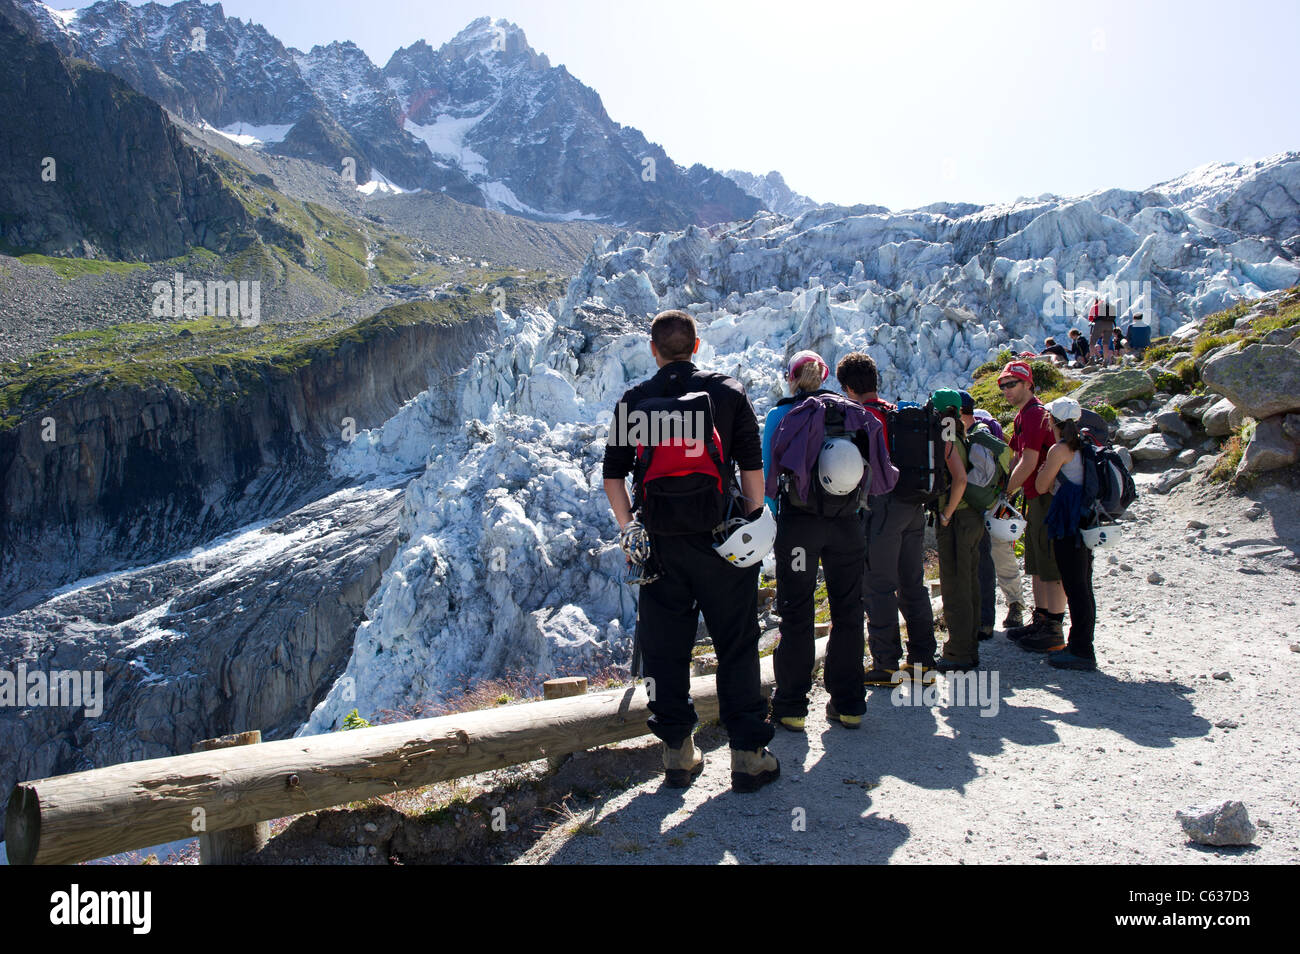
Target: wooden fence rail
x=71 y=818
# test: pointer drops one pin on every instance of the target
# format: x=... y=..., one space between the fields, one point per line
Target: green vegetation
x=354 y=720
x=1224 y=320
x=1108 y=413
x=232 y=360
x=997 y=364
x=77 y=267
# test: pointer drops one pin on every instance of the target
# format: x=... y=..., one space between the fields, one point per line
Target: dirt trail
x=1072 y=767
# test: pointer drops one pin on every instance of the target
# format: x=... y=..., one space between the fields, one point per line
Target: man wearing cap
x=1032 y=439
x=998 y=563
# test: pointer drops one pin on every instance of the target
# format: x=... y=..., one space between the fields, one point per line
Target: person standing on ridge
x=708 y=544
x=895 y=572
x=1032 y=439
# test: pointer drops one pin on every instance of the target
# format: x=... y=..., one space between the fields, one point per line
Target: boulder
x=1227 y=823
x=1269 y=448
x=1171 y=479
x=1155 y=447
x=1222 y=419
x=1194 y=407
x=1133 y=431
x=1213 y=353
x=1115 y=388
x=1262 y=380
x=1187 y=457
x=1291 y=426
x=1171 y=422
x=1281 y=336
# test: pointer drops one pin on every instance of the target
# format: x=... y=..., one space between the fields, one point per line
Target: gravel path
x=1072 y=767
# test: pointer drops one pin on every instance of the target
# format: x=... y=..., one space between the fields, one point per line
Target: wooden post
x=563 y=688
x=227 y=846
x=86 y=815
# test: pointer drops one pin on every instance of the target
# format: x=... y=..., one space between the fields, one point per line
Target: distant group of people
x=842 y=480
x=1106 y=342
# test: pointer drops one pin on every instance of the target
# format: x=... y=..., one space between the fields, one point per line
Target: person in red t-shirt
x=1033 y=438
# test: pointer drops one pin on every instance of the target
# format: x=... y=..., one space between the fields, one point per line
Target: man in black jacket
x=694 y=578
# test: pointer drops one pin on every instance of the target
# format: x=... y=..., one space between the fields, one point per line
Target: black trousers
x=1074 y=560
x=895 y=579
x=839 y=544
x=696 y=580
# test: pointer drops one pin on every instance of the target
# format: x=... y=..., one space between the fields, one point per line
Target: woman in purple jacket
x=822 y=457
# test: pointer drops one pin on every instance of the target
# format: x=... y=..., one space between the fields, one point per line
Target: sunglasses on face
x=1009 y=385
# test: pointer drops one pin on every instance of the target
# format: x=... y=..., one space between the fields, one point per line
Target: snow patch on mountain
x=253 y=134
x=381 y=184
x=445 y=138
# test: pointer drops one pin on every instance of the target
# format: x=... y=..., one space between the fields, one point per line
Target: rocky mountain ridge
x=484 y=118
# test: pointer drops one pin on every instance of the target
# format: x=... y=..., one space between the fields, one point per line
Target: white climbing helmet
x=745 y=543
x=1102 y=535
x=840 y=466
x=1004 y=523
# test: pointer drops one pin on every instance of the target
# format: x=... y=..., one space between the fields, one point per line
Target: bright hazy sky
x=900 y=103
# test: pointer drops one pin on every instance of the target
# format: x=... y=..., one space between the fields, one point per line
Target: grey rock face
x=1225 y=824
x=1269 y=448
x=1133 y=431
x=1262 y=380
x=1126 y=456
x=1171 y=422
x=1171 y=479
x=1154 y=447
x=124 y=186
x=172 y=471
x=1222 y=419
x=231 y=639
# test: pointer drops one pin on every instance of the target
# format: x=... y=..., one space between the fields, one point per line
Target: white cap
x=1065 y=409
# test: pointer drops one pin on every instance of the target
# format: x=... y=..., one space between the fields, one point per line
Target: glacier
x=507 y=554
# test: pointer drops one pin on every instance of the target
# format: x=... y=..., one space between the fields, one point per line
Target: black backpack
x=916 y=449
x=819 y=501
x=1115 y=491
x=680 y=482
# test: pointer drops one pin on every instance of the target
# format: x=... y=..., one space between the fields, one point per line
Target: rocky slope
x=135 y=472
x=244 y=631
x=484 y=118
x=90 y=168
x=773 y=192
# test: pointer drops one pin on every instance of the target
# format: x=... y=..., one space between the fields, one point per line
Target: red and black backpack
x=679 y=482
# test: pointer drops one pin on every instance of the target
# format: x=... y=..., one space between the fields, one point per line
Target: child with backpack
x=1074 y=486
x=961 y=526
x=824 y=455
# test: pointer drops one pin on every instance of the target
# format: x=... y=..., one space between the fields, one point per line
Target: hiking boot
x=682 y=764
x=1065 y=659
x=1017 y=633
x=880 y=676
x=952 y=665
x=1049 y=637
x=986 y=632
x=751 y=770
x=1015 y=616
x=925 y=670
x=793 y=723
x=848 y=721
